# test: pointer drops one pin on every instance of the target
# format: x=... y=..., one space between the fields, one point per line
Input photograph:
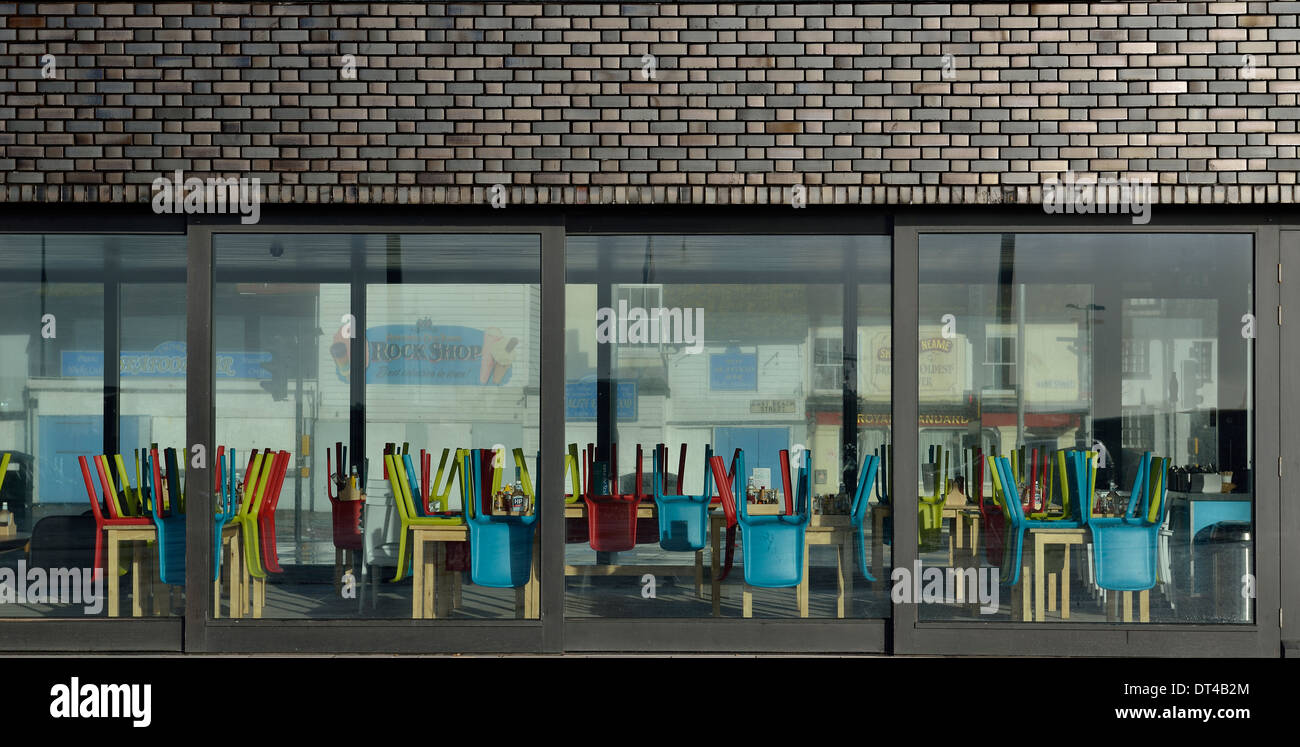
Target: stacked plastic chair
x=169 y=518
x=345 y=515
x=401 y=477
x=1126 y=547
x=774 y=545
x=262 y=482
x=110 y=513
x=227 y=508
x=861 y=507
x=501 y=547
x=683 y=519
x=611 y=518
x=930 y=512
x=1017 y=523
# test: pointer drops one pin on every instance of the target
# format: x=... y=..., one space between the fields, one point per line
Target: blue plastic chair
x=860 y=509
x=171 y=525
x=500 y=547
x=227 y=506
x=1014 y=541
x=1125 y=548
x=683 y=519
x=773 y=546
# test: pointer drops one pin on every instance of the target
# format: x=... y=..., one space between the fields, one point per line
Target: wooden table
x=435 y=592
x=1032 y=602
x=232 y=546
x=958 y=544
x=13 y=542
x=822 y=529
x=143 y=568
x=647 y=510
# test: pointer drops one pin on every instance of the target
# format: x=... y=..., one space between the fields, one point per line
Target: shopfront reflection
x=1124 y=351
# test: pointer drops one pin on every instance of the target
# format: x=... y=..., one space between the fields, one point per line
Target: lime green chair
x=256 y=479
x=571 y=466
x=402 y=492
x=930 y=515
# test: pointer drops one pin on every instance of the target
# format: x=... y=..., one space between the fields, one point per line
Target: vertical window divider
x=112 y=348
x=551 y=436
x=904 y=393
x=200 y=423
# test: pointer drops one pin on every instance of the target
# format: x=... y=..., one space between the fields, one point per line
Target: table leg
x=417 y=575
x=1144 y=606
x=114 y=580
x=1040 y=568
x=1026 y=584
x=246 y=601
x=152 y=580
x=715 y=567
x=844 y=565
x=236 y=576
x=137 y=603
x=878 y=545
x=430 y=596
x=699 y=574
x=1128 y=606
x=338 y=570
x=747 y=602
x=801 y=596
x=952 y=538
x=1065 y=585
x=1051 y=592
x=259 y=597
x=444 y=594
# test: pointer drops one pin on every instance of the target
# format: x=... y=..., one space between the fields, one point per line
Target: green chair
x=399 y=480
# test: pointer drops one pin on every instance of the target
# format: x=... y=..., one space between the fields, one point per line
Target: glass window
x=1124 y=351
x=330 y=349
x=682 y=344
x=66 y=301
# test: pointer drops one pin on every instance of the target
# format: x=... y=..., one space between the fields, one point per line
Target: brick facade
x=850 y=100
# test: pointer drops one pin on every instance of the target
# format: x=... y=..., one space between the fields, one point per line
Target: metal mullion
x=112 y=287
x=200 y=423
x=551 y=437
x=905 y=432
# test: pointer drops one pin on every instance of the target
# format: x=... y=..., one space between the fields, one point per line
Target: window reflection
x=1127 y=347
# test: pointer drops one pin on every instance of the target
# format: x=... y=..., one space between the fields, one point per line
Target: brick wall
x=850 y=100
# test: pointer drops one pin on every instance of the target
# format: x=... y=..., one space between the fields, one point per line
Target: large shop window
x=81 y=505
x=734 y=348
x=1086 y=438
x=376 y=387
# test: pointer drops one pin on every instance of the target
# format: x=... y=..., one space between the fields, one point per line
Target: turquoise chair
x=773 y=546
x=683 y=519
x=861 y=507
x=227 y=505
x=1125 y=548
x=170 y=520
x=1014 y=540
x=500 y=547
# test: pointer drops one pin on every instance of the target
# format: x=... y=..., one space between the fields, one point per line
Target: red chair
x=266 y=517
x=611 y=519
x=991 y=516
x=728 y=487
x=113 y=519
x=346 y=514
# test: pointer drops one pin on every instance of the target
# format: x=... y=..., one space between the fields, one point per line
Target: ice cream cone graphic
x=498 y=356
